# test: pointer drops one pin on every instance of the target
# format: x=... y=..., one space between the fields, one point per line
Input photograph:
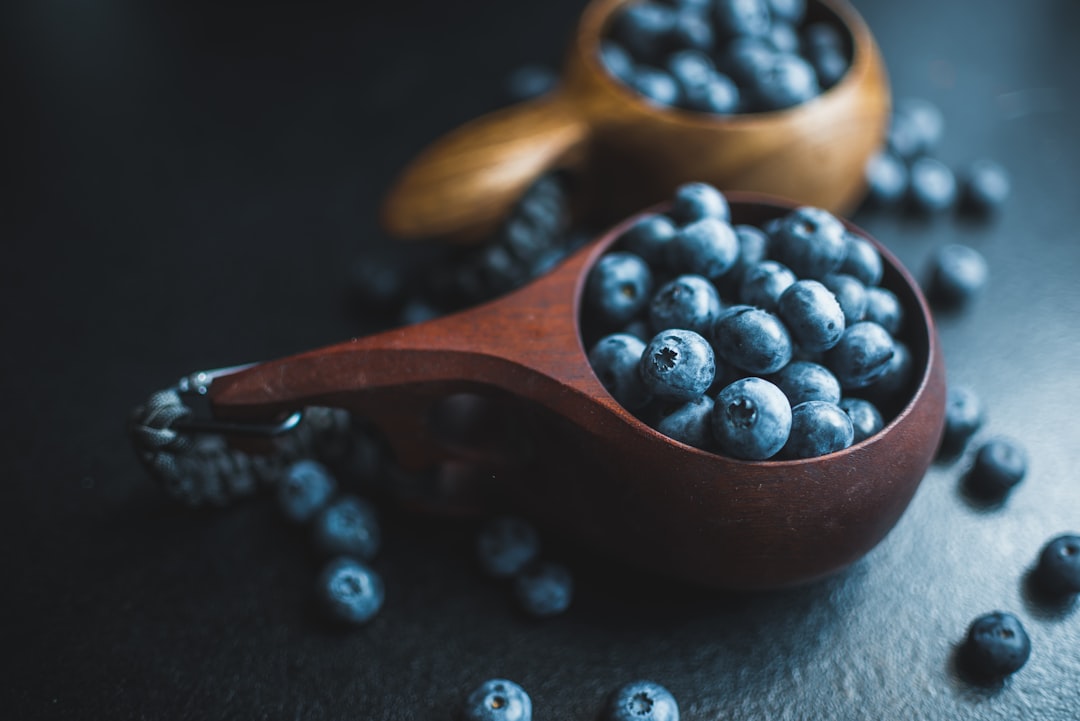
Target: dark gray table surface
x=186 y=186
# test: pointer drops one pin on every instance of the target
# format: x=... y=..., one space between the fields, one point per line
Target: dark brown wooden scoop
x=582 y=463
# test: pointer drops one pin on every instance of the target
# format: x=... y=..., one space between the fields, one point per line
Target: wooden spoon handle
x=467 y=181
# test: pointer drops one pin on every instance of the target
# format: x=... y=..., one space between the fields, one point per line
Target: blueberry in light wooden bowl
x=630 y=153
x=580 y=463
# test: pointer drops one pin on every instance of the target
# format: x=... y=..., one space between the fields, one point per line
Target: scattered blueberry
x=817 y=428
x=706 y=247
x=964 y=415
x=688 y=301
x=678 y=365
x=1000 y=464
x=862 y=356
x=617 y=287
x=752 y=339
x=615 y=359
x=350 y=591
x=1058 y=570
x=806 y=381
x=505 y=545
x=544 y=589
x=957 y=274
x=751 y=419
x=986 y=186
x=640 y=701
x=812 y=315
x=347 y=526
x=305 y=487
x=865 y=418
x=916 y=127
x=996 y=646
x=932 y=186
x=886 y=179
x=497 y=700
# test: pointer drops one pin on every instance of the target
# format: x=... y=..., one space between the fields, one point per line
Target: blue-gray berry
x=751 y=419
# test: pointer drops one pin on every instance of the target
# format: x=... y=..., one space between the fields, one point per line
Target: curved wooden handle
x=467 y=181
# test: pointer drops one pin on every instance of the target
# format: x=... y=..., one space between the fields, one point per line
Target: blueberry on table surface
x=1058 y=570
x=656 y=86
x=810 y=241
x=616 y=359
x=305 y=487
x=763 y=283
x=706 y=247
x=617 y=287
x=862 y=356
x=648 y=237
x=350 y=591
x=916 y=127
x=530 y=81
x=865 y=418
x=850 y=294
x=544 y=589
x=678 y=365
x=1000 y=464
x=861 y=260
x=751 y=419
x=883 y=308
x=689 y=423
x=688 y=301
x=986 y=186
x=886 y=179
x=931 y=185
x=497 y=699
x=347 y=526
x=786 y=81
x=817 y=428
x=751 y=339
x=957 y=274
x=741 y=17
x=696 y=201
x=505 y=545
x=640 y=701
x=996 y=646
x=812 y=315
x=964 y=414
x=806 y=381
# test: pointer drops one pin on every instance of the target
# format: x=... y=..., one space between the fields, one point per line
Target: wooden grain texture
x=631 y=154
x=588 y=468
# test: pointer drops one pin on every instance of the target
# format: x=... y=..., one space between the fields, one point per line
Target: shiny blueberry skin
x=996 y=646
x=865 y=418
x=751 y=339
x=305 y=487
x=1058 y=570
x=706 y=247
x=696 y=201
x=803 y=381
x=497 y=700
x=688 y=301
x=862 y=356
x=678 y=365
x=957 y=274
x=648 y=237
x=817 y=428
x=986 y=186
x=615 y=359
x=349 y=591
x=347 y=526
x=618 y=286
x=931 y=185
x=751 y=419
x=763 y=283
x=544 y=589
x=656 y=86
x=640 y=701
x=812 y=315
x=505 y=545
x=883 y=308
x=690 y=423
x=862 y=260
x=916 y=128
x=810 y=241
x=1000 y=464
x=886 y=179
x=741 y=17
x=850 y=294
x=788 y=80
x=964 y=414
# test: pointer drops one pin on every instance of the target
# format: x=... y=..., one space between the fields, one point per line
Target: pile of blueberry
x=500 y=699
x=755 y=343
x=724 y=56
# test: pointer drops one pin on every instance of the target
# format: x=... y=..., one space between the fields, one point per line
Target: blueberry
x=753 y=247
x=964 y=415
x=1000 y=464
x=689 y=423
x=896 y=377
x=304 y=489
x=883 y=308
x=790 y=11
x=803 y=381
x=764 y=283
x=812 y=315
x=745 y=58
x=678 y=365
x=497 y=700
x=656 y=86
x=530 y=81
x=751 y=419
x=786 y=81
x=810 y=241
x=957 y=274
x=696 y=201
x=644 y=29
x=617 y=287
x=1058 y=570
x=850 y=294
x=886 y=179
x=617 y=61
x=718 y=95
x=349 y=591
x=819 y=35
x=688 y=301
x=615 y=359
x=640 y=701
x=378 y=285
x=861 y=259
x=916 y=127
x=862 y=356
x=829 y=63
x=690 y=68
x=997 y=645
x=347 y=526
x=865 y=418
x=505 y=545
x=931 y=185
x=691 y=30
x=741 y=17
x=752 y=339
x=544 y=589
x=706 y=247
x=986 y=186
x=648 y=237
x=783 y=37
x=818 y=428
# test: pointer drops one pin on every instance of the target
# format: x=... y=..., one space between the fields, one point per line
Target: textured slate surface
x=186 y=184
